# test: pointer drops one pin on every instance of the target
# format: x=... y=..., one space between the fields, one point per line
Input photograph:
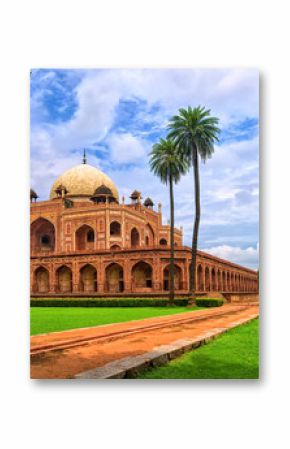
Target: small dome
x=33 y=194
x=135 y=195
x=148 y=202
x=82 y=181
x=103 y=190
x=60 y=188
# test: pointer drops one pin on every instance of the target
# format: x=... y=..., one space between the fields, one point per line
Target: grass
x=50 y=319
x=234 y=355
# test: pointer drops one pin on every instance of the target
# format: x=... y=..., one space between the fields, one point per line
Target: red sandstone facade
x=81 y=245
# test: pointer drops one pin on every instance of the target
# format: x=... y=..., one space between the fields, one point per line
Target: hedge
x=209 y=302
x=127 y=302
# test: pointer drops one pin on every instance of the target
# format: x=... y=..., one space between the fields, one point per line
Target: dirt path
x=92 y=347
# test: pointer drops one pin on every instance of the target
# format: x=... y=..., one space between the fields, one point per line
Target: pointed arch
x=64 y=279
x=88 y=278
x=114 y=278
x=42 y=236
x=224 y=281
x=115 y=229
x=228 y=282
x=238 y=282
x=235 y=281
x=177 y=277
x=219 y=280
x=207 y=279
x=213 y=279
x=142 y=276
x=135 y=238
x=200 y=283
x=85 y=237
x=41 y=280
x=232 y=282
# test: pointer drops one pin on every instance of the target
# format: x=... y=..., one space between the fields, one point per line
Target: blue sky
x=118 y=114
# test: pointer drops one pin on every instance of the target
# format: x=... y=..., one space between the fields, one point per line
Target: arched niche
x=115 y=229
x=88 y=278
x=177 y=278
x=142 y=276
x=224 y=281
x=42 y=236
x=64 y=279
x=200 y=283
x=228 y=282
x=207 y=279
x=213 y=280
x=42 y=280
x=135 y=238
x=85 y=238
x=114 y=278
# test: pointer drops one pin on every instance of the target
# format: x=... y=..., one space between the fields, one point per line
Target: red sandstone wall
x=212 y=274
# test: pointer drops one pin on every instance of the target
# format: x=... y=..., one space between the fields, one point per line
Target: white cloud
x=248 y=256
x=229 y=181
x=100 y=91
x=125 y=148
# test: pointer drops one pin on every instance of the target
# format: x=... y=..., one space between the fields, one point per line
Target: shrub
x=209 y=302
x=102 y=302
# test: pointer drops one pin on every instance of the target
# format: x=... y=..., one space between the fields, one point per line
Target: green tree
x=168 y=164
x=194 y=132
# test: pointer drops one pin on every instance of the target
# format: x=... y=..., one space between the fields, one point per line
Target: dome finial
x=84 y=157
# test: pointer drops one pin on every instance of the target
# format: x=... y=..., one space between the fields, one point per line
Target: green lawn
x=234 y=355
x=50 y=319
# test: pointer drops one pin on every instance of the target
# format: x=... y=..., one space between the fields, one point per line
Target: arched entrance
x=64 y=279
x=224 y=281
x=142 y=277
x=219 y=281
x=85 y=238
x=163 y=242
x=42 y=280
x=232 y=282
x=42 y=236
x=177 y=278
x=135 y=238
x=88 y=277
x=213 y=280
x=235 y=282
x=207 y=279
x=228 y=282
x=200 y=286
x=239 y=282
x=114 y=278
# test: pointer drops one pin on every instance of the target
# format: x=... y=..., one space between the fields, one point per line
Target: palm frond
x=194 y=128
x=165 y=161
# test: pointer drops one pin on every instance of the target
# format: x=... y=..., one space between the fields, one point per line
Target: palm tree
x=166 y=163
x=194 y=132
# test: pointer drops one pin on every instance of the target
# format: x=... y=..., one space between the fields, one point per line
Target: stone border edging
x=131 y=367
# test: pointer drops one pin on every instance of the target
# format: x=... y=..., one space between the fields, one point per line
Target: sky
x=118 y=114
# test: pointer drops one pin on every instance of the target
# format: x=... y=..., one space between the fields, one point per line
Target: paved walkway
x=66 y=354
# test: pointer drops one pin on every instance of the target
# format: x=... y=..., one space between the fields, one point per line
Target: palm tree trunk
x=196 y=222
x=171 y=268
